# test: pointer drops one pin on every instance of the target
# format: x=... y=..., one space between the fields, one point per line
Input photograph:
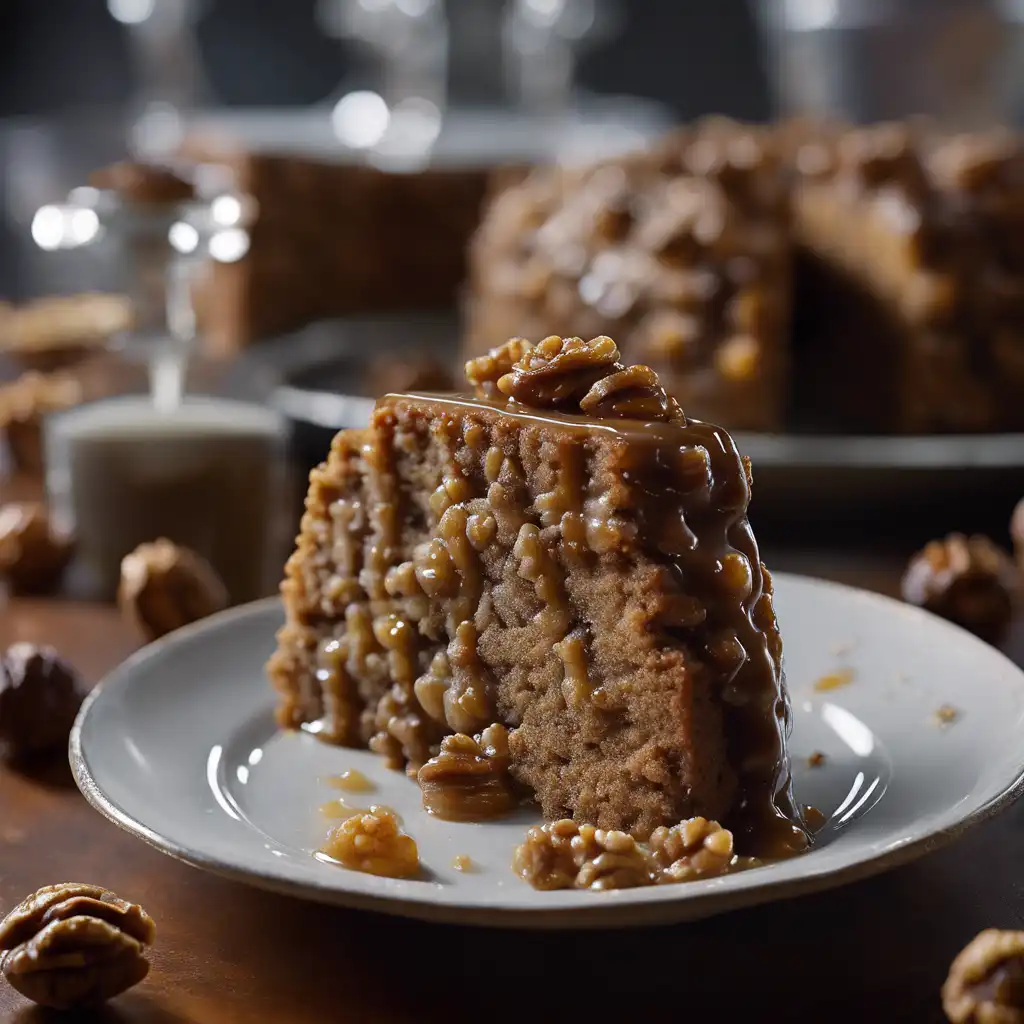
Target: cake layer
x=588 y=581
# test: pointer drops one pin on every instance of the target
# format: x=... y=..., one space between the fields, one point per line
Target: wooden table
x=874 y=951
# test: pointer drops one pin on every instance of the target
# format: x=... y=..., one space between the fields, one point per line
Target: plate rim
x=591 y=915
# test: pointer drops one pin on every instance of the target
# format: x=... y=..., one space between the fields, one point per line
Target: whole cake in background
x=910 y=279
x=558 y=567
x=681 y=253
x=816 y=275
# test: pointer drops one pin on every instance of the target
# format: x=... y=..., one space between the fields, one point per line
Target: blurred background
x=322 y=167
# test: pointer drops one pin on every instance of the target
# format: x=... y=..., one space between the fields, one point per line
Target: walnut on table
x=968 y=580
x=165 y=586
x=33 y=552
x=40 y=695
x=986 y=980
x=74 y=945
x=24 y=404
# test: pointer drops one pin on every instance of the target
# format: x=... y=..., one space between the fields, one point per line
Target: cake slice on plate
x=560 y=555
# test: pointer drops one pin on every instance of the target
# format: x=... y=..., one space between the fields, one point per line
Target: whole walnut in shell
x=74 y=945
x=968 y=580
x=165 y=586
x=40 y=695
x=986 y=980
x=33 y=553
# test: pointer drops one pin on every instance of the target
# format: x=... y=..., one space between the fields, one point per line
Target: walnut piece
x=468 y=780
x=575 y=376
x=968 y=580
x=484 y=372
x=372 y=841
x=634 y=393
x=33 y=553
x=564 y=855
x=40 y=695
x=558 y=372
x=986 y=980
x=23 y=405
x=164 y=587
x=74 y=945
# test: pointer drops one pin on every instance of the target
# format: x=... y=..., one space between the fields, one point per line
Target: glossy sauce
x=834 y=680
x=351 y=781
x=693 y=492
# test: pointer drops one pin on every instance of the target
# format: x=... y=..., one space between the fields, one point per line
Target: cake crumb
x=462 y=863
x=816 y=760
x=834 y=680
x=946 y=715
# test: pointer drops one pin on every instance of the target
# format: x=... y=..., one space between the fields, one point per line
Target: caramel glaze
x=695 y=491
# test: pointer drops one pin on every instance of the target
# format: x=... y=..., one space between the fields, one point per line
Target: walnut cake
x=559 y=564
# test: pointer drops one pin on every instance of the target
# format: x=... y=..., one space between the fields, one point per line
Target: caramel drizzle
x=696 y=493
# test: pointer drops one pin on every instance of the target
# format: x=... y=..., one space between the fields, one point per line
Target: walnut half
x=468 y=779
x=570 y=375
x=74 y=945
x=164 y=587
x=986 y=980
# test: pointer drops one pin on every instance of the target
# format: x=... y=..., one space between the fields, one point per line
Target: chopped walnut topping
x=696 y=848
x=559 y=371
x=164 y=587
x=373 y=842
x=634 y=393
x=33 y=553
x=571 y=374
x=468 y=779
x=968 y=580
x=986 y=980
x=485 y=371
x=564 y=855
x=73 y=945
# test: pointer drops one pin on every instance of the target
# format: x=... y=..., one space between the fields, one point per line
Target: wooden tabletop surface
x=873 y=951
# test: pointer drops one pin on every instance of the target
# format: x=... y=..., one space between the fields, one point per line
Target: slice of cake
x=682 y=253
x=560 y=565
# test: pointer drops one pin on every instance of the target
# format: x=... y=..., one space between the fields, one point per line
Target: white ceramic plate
x=178 y=746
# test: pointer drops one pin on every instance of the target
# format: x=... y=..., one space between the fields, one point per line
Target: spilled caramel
x=834 y=680
x=462 y=863
x=351 y=781
x=339 y=808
